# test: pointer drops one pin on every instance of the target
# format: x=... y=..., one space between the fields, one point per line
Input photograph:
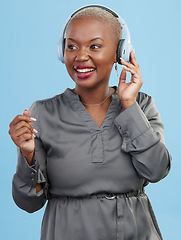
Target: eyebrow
x=97 y=38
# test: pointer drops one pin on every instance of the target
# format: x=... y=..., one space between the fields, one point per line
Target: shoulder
x=47 y=105
x=46 y=109
x=50 y=100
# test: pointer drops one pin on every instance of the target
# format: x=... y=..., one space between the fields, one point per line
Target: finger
x=122 y=78
x=14 y=129
x=136 y=78
x=23 y=130
x=127 y=64
x=15 y=134
x=133 y=59
x=22 y=124
x=19 y=140
x=19 y=118
x=24 y=138
x=132 y=71
x=26 y=113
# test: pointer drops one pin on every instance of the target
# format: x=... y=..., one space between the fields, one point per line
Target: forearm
x=29 y=159
x=144 y=141
x=28 y=191
x=25 y=196
x=154 y=163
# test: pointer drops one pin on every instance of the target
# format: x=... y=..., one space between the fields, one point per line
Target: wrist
x=28 y=156
x=127 y=104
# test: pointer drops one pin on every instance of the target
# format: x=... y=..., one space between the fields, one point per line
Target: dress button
x=32 y=179
x=119 y=127
x=32 y=173
x=125 y=135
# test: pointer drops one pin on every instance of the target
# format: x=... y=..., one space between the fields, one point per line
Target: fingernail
x=122 y=59
x=32 y=119
x=34 y=135
x=35 y=131
x=25 y=110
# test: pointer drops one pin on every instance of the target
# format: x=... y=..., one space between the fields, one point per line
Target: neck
x=92 y=96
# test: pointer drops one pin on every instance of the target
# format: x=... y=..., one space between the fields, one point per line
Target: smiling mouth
x=84 y=70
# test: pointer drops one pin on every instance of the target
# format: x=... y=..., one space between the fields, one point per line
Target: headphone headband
x=124 y=46
x=95 y=5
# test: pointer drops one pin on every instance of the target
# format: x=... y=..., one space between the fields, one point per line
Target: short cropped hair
x=100 y=13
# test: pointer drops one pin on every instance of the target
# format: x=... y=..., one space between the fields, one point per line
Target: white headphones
x=124 y=46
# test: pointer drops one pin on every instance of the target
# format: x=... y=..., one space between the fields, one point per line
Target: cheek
x=67 y=59
x=68 y=64
x=107 y=56
x=105 y=60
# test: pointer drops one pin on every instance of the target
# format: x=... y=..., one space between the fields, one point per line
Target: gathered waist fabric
x=103 y=216
x=109 y=196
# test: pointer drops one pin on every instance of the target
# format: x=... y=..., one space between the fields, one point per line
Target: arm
x=140 y=126
x=142 y=134
x=29 y=185
x=24 y=185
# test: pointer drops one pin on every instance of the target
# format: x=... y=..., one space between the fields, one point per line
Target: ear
x=115 y=57
x=116 y=54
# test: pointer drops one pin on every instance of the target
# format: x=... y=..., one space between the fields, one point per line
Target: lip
x=83 y=67
x=83 y=75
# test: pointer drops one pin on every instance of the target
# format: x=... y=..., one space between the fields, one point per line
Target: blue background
x=30 y=70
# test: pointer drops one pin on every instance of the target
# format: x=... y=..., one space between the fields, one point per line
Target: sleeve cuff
x=27 y=173
x=132 y=123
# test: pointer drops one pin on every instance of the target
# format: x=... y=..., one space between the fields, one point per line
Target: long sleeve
x=142 y=135
x=26 y=177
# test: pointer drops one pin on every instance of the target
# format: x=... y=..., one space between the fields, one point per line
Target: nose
x=82 y=55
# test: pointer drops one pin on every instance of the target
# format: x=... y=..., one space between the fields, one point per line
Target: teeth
x=85 y=70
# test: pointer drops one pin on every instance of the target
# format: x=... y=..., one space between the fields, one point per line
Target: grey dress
x=93 y=177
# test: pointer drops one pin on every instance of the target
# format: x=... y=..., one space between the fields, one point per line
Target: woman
x=96 y=147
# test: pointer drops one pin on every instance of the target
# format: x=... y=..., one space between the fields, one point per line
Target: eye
x=71 y=47
x=95 y=46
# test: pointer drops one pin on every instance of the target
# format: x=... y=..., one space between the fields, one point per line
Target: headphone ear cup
x=123 y=51
x=119 y=50
x=60 y=49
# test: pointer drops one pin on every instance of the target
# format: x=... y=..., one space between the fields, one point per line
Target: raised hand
x=22 y=134
x=128 y=90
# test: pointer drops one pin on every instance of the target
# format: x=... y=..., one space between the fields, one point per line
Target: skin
x=91 y=46
x=80 y=38
x=89 y=42
x=22 y=134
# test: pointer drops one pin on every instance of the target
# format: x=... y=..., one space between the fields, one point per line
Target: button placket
x=97 y=147
x=120 y=227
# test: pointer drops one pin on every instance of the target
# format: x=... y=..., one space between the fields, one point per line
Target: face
x=90 y=51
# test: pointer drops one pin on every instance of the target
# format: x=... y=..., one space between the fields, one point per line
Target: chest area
x=80 y=132
x=97 y=114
